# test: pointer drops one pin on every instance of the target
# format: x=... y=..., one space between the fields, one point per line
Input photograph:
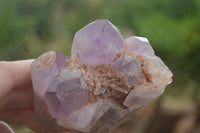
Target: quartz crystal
x=96 y=43
x=106 y=78
x=61 y=101
x=130 y=67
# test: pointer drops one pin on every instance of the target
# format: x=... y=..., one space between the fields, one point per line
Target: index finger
x=14 y=74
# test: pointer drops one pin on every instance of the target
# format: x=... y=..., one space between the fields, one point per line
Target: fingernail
x=5 y=128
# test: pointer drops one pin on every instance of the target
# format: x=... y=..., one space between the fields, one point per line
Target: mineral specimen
x=105 y=80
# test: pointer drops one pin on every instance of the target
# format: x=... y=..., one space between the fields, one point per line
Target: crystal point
x=139 y=45
x=130 y=67
x=141 y=96
x=67 y=92
x=98 y=42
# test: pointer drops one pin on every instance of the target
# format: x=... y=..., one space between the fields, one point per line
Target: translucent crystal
x=130 y=67
x=98 y=42
x=104 y=81
x=139 y=45
x=85 y=118
x=43 y=71
x=67 y=92
x=142 y=95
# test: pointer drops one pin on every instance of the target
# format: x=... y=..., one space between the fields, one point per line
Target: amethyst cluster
x=105 y=80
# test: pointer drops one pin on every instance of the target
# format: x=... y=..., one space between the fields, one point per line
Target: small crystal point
x=130 y=67
x=98 y=42
x=142 y=95
x=140 y=45
x=68 y=92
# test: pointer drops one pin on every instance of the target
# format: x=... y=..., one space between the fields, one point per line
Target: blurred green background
x=29 y=28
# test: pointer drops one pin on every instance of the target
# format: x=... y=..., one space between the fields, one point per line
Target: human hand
x=16 y=92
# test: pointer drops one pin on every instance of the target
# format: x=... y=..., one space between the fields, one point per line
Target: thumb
x=4 y=128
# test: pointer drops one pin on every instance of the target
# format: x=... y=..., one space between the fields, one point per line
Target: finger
x=6 y=83
x=9 y=113
x=4 y=128
x=14 y=74
x=17 y=99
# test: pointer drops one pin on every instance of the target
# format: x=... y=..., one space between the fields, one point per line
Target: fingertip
x=5 y=128
x=19 y=71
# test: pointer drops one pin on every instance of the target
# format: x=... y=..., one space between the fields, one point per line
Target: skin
x=16 y=92
x=4 y=128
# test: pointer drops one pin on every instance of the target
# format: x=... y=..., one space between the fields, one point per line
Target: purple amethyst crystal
x=98 y=42
x=62 y=100
x=130 y=67
x=105 y=79
x=139 y=45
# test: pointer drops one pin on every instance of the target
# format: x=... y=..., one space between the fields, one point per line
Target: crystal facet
x=130 y=67
x=139 y=45
x=62 y=100
x=43 y=71
x=96 y=43
x=142 y=95
x=105 y=80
